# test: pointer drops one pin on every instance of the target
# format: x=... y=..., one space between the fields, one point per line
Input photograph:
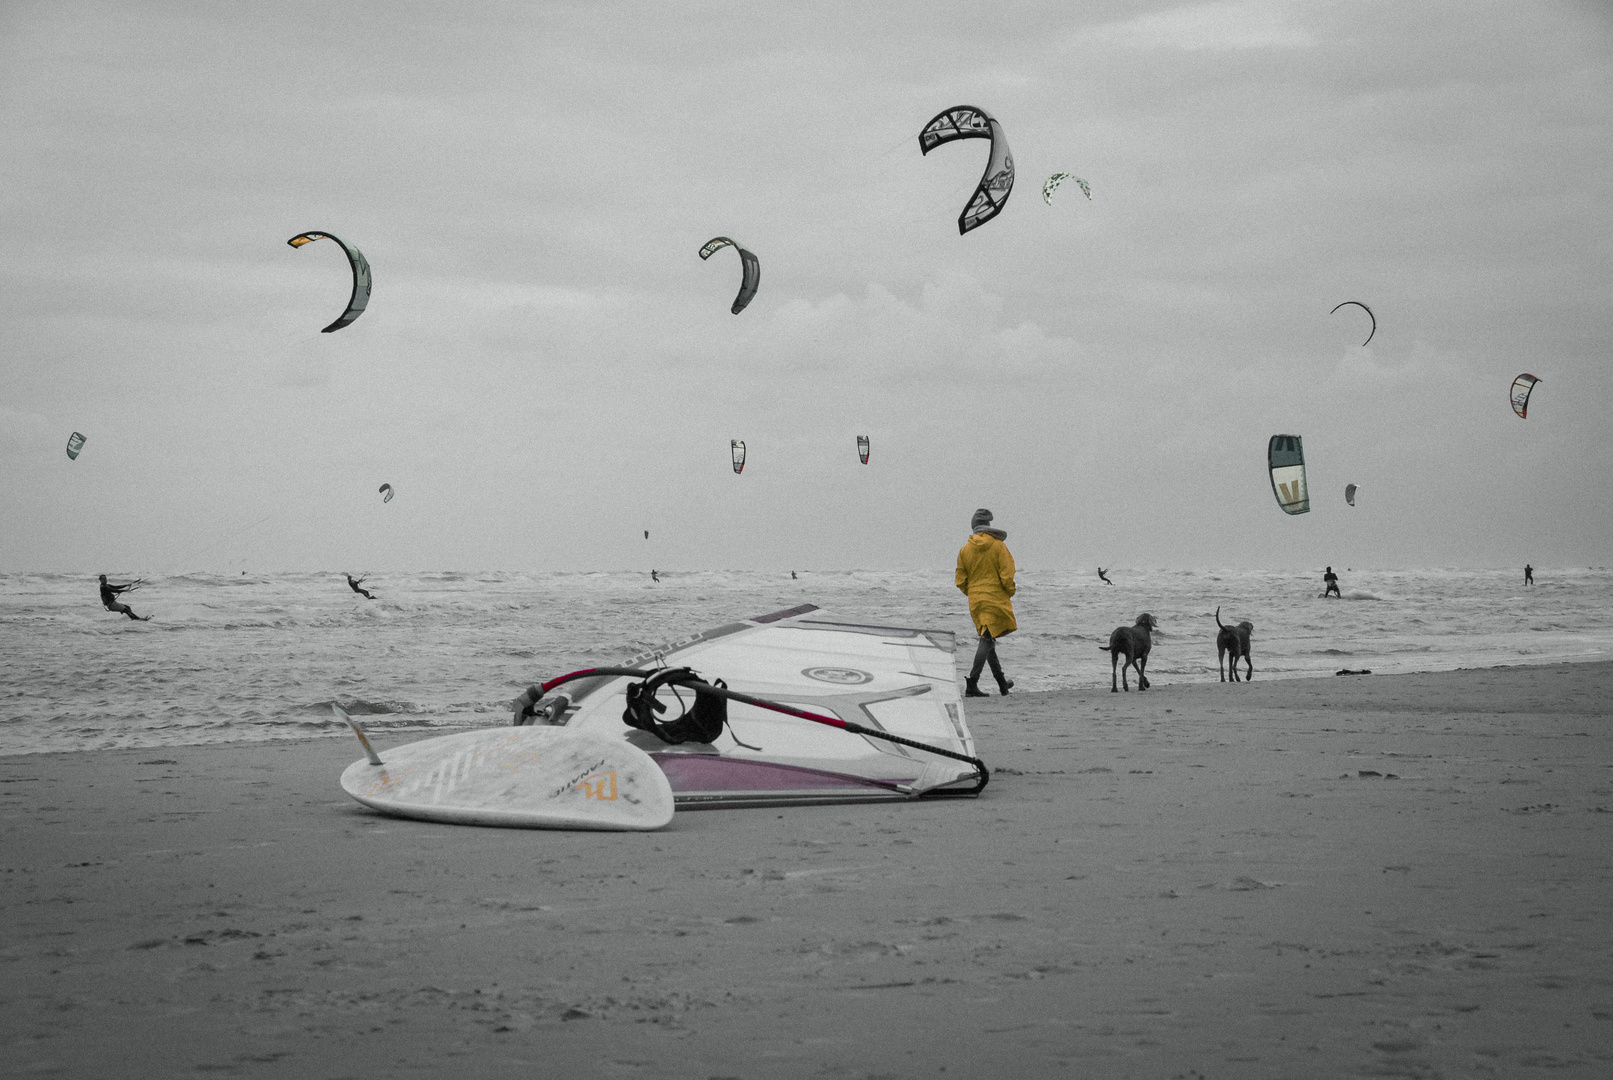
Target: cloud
x=1233 y=24
x=26 y=432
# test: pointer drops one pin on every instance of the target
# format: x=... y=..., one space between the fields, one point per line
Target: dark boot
x=971 y=688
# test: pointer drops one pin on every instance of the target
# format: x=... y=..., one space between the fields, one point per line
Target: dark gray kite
x=997 y=182
x=751 y=269
x=1366 y=309
x=361 y=276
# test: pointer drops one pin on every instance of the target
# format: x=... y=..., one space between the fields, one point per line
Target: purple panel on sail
x=713 y=779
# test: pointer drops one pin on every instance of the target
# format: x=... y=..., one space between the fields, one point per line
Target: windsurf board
x=523 y=777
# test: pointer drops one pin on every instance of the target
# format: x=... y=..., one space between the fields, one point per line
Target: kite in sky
x=75 y=443
x=862 y=448
x=386 y=492
x=750 y=267
x=737 y=449
x=1366 y=309
x=1349 y=494
x=1058 y=178
x=1286 y=457
x=1522 y=387
x=997 y=182
x=361 y=276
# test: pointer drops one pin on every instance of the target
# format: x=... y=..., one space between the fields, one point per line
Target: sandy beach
x=1369 y=876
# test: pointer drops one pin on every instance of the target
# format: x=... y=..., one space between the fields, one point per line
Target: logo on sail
x=599 y=786
x=841 y=676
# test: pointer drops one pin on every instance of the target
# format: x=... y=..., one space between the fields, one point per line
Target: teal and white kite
x=1058 y=178
x=1286 y=457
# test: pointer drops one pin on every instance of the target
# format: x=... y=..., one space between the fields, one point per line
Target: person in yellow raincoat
x=986 y=577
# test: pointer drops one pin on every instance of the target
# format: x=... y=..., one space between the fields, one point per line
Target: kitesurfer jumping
x=1332 y=581
x=110 y=601
x=1528 y=574
x=986 y=576
x=1104 y=577
x=354 y=585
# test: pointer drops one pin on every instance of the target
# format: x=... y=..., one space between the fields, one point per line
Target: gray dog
x=1133 y=641
x=1233 y=640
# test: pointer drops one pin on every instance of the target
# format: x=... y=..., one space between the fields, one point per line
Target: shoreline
x=1400 y=875
x=1158 y=683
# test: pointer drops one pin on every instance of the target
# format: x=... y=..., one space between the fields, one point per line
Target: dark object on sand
x=1347 y=671
x=1233 y=641
x=1133 y=642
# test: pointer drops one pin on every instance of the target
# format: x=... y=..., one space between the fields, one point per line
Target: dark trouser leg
x=985 y=650
x=1003 y=681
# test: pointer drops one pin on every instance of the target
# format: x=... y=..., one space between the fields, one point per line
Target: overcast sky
x=546 y=367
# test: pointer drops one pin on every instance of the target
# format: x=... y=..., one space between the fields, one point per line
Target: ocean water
x=260 y=657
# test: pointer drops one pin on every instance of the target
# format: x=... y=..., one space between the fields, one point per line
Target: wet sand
x=1371 y=876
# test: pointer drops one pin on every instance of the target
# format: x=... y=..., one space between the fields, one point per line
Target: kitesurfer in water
x=654 y=576
x=986 y=576
x=354 y=585
x=1104 y=577
x=1528 y=574
x=1332 y=581
x=110 y=601
x=793 y=577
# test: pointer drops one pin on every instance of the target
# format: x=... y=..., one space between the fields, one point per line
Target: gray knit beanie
x=981 y=519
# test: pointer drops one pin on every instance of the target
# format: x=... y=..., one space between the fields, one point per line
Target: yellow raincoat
x=986 y=577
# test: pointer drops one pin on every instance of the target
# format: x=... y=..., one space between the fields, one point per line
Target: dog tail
x=1218 y=617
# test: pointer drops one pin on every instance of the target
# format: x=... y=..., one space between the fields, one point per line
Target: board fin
x=369 y=751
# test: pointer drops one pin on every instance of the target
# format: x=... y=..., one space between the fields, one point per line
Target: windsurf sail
x=1349 y=494
x=997 y=182
x=862 y=449
x=360 y=298
x=1522 y=387
x=743 y=715
x=1285 y=455
x=736 y=450
x=75 y=443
